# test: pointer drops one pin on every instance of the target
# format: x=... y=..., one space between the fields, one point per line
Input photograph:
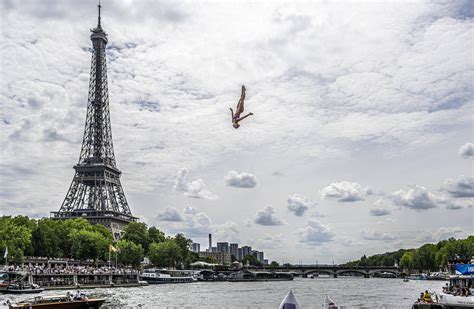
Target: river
x=348 y=292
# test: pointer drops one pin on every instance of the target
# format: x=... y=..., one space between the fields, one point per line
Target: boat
x=162 y=276
x=329 y=303
x=59 y=302
x=21 y=289
x=290 y=302
x=460 y=292
x=406 y=280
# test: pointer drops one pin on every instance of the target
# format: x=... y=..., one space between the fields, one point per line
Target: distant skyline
x=361 y=140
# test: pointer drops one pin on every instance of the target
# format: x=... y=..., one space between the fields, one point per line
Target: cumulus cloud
x=462 y=187
x=375 y=235
x=195 y=188
x=466 y=150
x=440 y=234
x=382 y=207
x=189 y=210
x=228 y=232
x=266 y=216
x=298 y=204
x=169 y=214
x=194 y=223
x=416 y=197
x=269 y=241
x=315 y=233
x=345 y=191
x=243 y=180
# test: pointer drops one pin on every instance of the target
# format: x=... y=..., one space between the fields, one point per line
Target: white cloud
x=243 y=180
x=227 y=232
x=345 y=191
x=195 y=188
x=416 y=197
x=375 y=235
x=440 y=234
x=462 y=187
x=270 y=241
x=266 y=216
x=466 y=150
x=315 y=233
x=298 y=204
x=189 y=210
x=382 y=208
x=169 y=214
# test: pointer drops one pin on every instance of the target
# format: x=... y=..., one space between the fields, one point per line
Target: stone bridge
x=335 y=270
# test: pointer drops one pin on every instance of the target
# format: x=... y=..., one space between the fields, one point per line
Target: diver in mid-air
x=240 y=109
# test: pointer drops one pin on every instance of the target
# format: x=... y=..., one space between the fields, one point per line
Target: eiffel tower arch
x=96 y=193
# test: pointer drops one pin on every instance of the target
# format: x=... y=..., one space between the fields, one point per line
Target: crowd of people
x=458 y=290
x=69 y=270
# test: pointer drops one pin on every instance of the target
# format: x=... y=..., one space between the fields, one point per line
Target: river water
x=348 y=292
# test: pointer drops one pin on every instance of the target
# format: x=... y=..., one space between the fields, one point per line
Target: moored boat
x=59 y=302
x=21 y=289
x=158 y=276
x=459 y=292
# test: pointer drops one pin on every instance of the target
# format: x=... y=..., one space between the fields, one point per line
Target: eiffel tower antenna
x=98 y=23
x=96 y=192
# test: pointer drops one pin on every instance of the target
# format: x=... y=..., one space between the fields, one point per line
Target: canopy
x=465 y=269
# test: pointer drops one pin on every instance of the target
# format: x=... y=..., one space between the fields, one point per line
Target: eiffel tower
x=96 y=193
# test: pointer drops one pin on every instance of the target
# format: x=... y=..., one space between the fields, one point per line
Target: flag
x=6 y=253
x=112 y=248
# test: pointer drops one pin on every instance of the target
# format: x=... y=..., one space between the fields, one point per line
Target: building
x=214 y=249
x=96 y=192
x=246 y=250
x=195 y=247
x=233 y=250
x=240 y=254
x=222 y=258
x=260 y=256
x=223 y=247
x=210 y=243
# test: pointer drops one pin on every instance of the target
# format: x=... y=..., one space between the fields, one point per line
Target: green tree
x=89 y=244
x=274 y=264
x=129 y=253
x=137 y=232
x=406 y=261
x=17 y=238
x=183 y=243
x=164 y=254
x=251 y=260
x=47 y=238
x=155 y=235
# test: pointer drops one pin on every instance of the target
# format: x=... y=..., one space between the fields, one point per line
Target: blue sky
x=361 y=140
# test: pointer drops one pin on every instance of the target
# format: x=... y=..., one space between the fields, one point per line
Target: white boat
x=329 y=303
x=290 y=302
x=162 y=276
x=454 y=295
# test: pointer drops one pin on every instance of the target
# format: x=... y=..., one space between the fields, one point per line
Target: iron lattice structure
x=96 y=192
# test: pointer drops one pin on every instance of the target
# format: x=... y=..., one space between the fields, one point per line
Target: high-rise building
x=223 y=247
x=261 y=257
x=195 y=247
x=210 y=243
x=96 y=192
x=233 y=250
x=240 y=254
x=246 y=250
x=214 y=249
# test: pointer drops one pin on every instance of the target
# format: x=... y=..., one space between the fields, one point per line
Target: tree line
x=427 y=258
x=78 y=239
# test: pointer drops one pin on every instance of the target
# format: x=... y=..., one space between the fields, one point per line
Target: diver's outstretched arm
x=242 y=118
x=231 y=112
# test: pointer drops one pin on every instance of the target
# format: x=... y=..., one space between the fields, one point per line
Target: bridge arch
x=319 y=271
x=359 y=271
x=391 y=271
